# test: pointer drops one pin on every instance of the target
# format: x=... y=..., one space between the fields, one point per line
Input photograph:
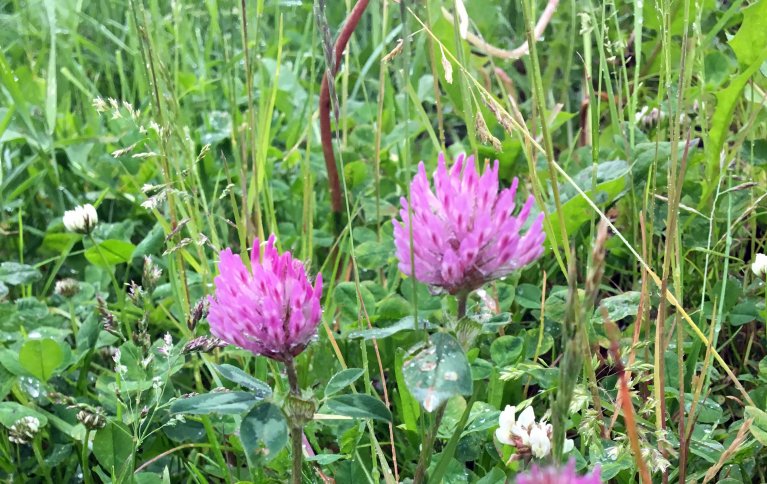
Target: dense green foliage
x=193 y=126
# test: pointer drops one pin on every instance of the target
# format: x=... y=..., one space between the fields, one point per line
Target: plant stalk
x=426 y=450
x=296 y=426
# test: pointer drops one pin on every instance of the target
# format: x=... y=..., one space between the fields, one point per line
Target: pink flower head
x=554 y=475
x=272 y=310
x=465 y=232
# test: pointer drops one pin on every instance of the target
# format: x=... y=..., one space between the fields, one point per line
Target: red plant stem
x=326 y=133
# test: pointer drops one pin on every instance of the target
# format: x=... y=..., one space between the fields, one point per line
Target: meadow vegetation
x=590 y=304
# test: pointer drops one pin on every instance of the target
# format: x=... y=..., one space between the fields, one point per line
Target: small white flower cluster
x=23 y=430
x=524 y=433
x=760 y=265
x=81 y=219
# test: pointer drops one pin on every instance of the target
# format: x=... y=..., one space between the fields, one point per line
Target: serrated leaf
x=751 y=38
x=358 y=405
x=264 y=432
x=437 y=372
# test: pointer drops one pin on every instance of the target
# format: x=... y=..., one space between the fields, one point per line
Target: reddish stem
x=326 y=133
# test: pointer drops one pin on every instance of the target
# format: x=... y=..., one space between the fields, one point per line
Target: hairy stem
x=296 y=428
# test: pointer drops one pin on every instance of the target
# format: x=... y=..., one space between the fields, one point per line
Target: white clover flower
x=82 y=219
x=23 y=430
x=529 y=436
x=759 y=267
x=540 y=445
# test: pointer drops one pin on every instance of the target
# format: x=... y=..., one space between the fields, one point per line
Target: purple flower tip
x=465 y=232
x=272 y=310
x=563 y=475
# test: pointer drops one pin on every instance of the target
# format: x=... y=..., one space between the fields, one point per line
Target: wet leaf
x=618 y=307
x=41 y=358
x=224 y=403
x=405 y=324
x=13 y=273
x=264 y=432
x=236 y=375
x=437 y=372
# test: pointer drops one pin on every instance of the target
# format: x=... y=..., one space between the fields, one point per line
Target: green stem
x=426 y=450
x=462 y=299
x=115 y=285
x=296 y=427
x=84 y=458
x=40 y=460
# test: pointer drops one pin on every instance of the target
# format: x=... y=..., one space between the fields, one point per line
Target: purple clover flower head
x=562 y=475
x=465 y=232
x=272 y=310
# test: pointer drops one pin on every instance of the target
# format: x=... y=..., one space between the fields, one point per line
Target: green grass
x=208 y=135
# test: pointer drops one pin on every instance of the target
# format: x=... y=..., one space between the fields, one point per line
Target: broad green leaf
x=528 y=296
x=236 y=375
x=611 y=181
x=750 y=41
x=437 y=372
x=110 y=252
x=264 y=432
x=743 y=313
x=224 y=403
x=347 y=299
x=13 y=273
x=151 y=244
x=41 y=357
x=374 y=255
x=342 y=379
x=507 y=350
x=113 y=446
x=726 y=100
x=359 y=405
x=325 y=459
x=10 y=412
x=393 y=308
x=759 y=427
x=405 y=324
